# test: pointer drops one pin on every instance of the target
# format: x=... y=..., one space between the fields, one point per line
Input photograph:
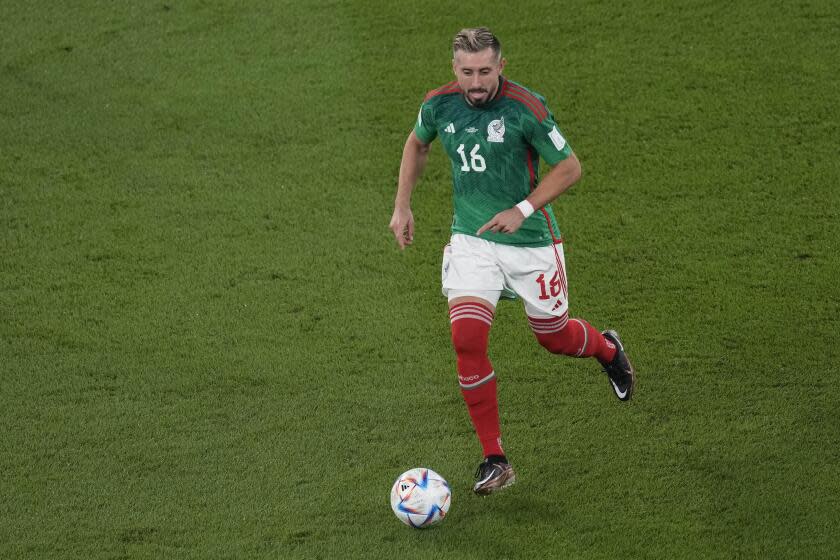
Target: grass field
x=211 y=348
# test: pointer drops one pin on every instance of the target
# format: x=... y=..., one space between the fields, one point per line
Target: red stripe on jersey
x=539 y=112
x=527 y=95
x=540 y=116
x=527 y=98
x=451 y=87
x=507 y=91
x=532 y=179
x=532 y=176
x=550 y=230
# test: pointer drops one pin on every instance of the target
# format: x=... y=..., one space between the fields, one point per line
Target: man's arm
x=561 y=177
x=415 y=154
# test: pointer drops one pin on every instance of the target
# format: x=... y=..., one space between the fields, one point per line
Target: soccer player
x=504 y=236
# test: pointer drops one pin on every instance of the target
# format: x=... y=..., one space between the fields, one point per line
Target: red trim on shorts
x=560 y=271
x=563 y=285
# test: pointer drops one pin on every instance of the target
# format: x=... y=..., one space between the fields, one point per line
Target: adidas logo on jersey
x=450 y=128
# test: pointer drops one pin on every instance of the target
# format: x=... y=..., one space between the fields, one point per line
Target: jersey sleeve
x=547 y=139
x=424 y=128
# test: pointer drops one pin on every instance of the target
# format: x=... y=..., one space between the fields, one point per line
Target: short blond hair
x=476 y=39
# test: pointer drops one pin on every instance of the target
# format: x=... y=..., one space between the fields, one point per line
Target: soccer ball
x=420 y=497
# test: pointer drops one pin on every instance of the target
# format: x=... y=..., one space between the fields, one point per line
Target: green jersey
x=495 y=150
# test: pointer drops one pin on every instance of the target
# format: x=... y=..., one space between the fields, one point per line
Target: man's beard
x=478 y=103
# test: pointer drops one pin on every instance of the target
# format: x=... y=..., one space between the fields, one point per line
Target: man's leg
x=572 y=337
x=472 y=283
x=471 y=318
x=580 y=339
x=539 y=276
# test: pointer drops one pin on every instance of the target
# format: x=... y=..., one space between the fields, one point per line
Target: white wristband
x=526 y=208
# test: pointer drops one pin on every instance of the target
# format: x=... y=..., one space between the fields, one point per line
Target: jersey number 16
x=476 y=162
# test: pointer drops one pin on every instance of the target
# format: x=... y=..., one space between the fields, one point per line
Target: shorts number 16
x=554 y=285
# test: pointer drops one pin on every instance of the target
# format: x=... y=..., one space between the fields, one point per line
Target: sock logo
x=472 y=381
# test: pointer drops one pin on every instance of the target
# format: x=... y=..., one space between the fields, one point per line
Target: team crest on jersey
x=496 y=130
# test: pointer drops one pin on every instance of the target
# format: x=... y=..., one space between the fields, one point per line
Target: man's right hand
x=402 y=225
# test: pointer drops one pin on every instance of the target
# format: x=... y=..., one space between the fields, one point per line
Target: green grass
x=210 y=347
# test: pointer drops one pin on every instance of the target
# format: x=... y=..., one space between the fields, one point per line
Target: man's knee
x=470 y=331
x=555 y=335
x=470 y=327
x=467 y=342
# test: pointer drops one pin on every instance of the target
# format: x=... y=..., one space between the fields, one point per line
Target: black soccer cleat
x=620 y=370
x=492 y=476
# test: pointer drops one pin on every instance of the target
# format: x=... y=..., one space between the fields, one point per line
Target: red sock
x=470 y=330
x=483 y=404
x=573 y=338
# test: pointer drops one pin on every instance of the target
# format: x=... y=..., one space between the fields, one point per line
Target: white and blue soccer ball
x=420 y=497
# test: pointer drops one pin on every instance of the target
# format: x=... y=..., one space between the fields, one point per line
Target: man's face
x=478 y=74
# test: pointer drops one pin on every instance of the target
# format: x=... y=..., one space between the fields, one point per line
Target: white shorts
x=480 y=268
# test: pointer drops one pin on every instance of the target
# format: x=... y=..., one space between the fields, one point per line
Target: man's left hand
x=507 y=221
